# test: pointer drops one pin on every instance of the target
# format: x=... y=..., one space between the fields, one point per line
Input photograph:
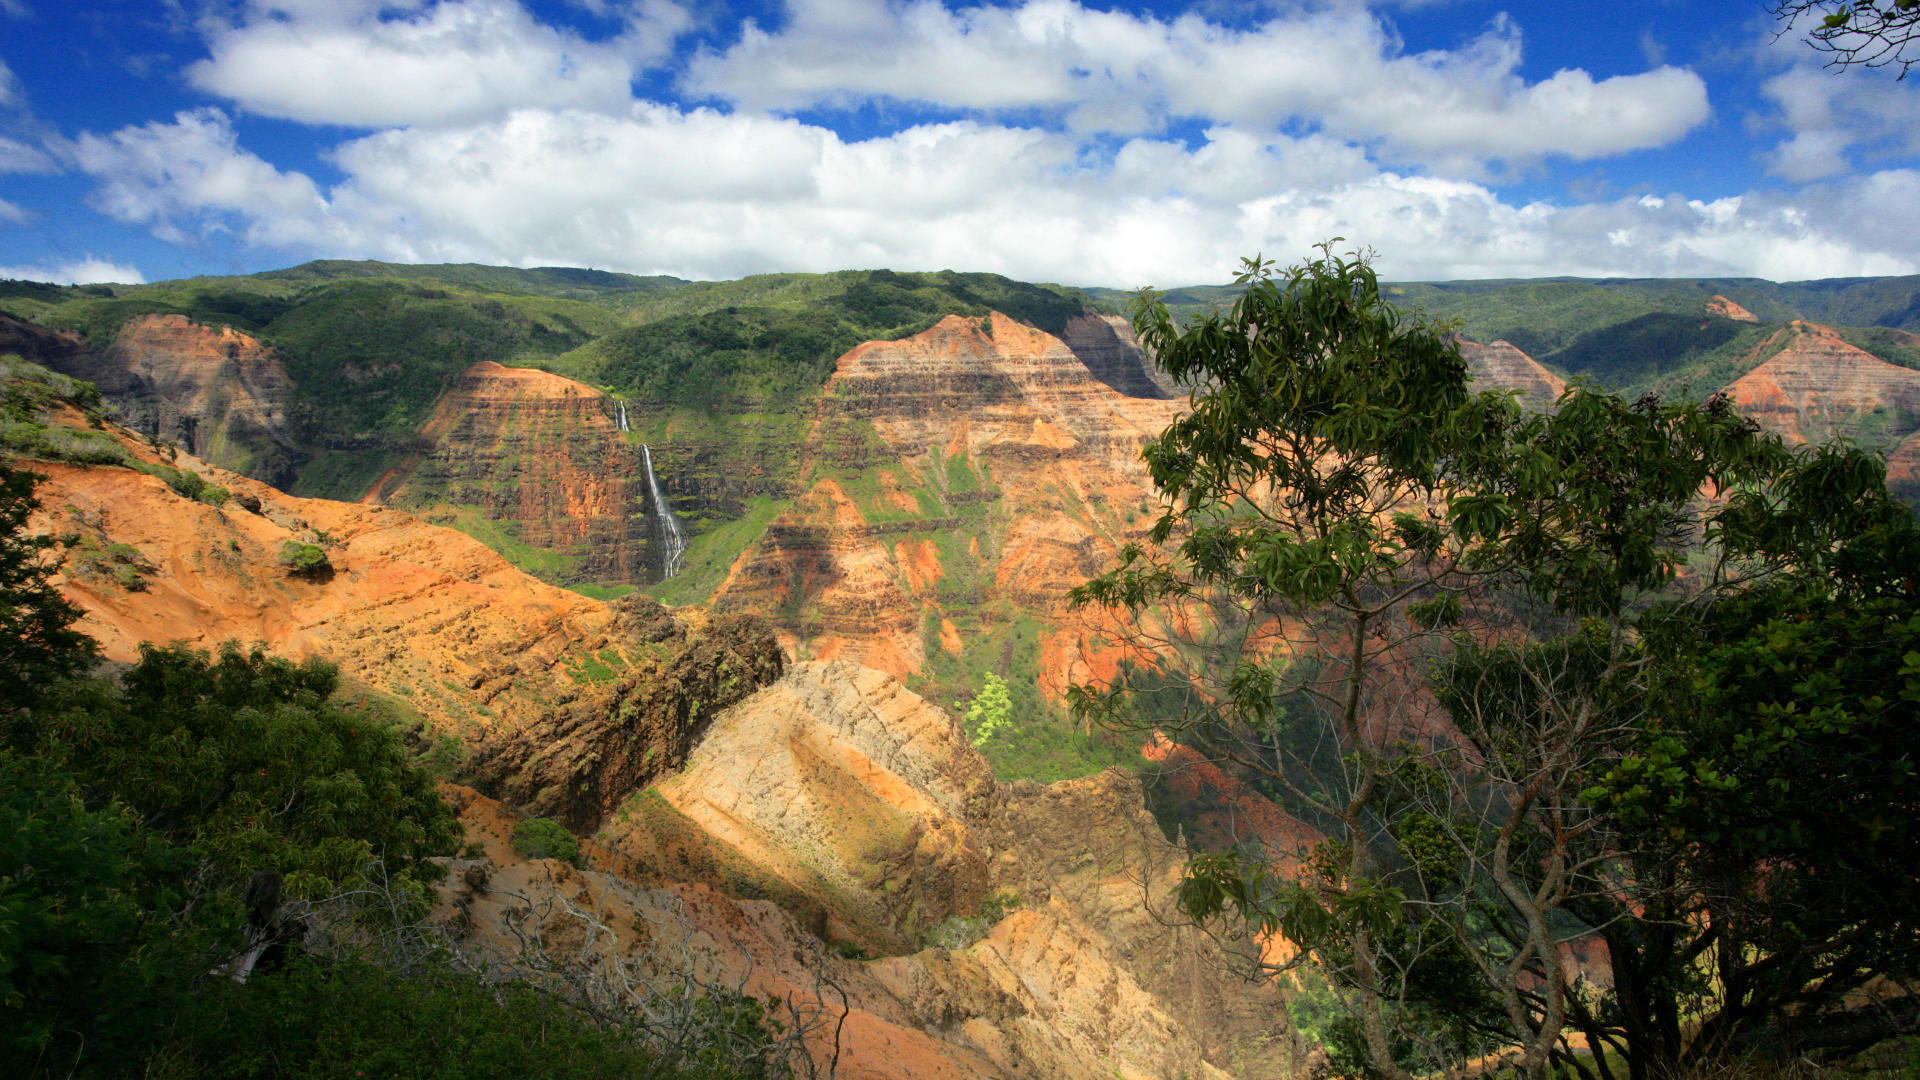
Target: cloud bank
x=1044 y=147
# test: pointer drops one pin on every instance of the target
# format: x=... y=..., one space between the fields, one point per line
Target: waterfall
x=623 y=415
x=670 y=534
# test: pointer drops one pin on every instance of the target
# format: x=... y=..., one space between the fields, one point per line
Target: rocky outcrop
x=859 y=797
x=1502 y=366
x=571 y=701
x=542 y=456
x=866 y=815
x=1106 y=345
x=576 y=761
x=220 y=394
x=978 y=463
x=1815 y=386
x=1727 y=309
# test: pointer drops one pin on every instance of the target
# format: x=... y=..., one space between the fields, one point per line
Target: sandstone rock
x=1106 y=345
x=1501 y=366
x=1815 y=386
x=839 y=781
x=220 y=394
x=997 y=465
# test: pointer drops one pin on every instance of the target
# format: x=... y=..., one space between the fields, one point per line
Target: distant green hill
x=723 y=376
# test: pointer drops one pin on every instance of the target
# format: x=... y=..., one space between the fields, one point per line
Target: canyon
x=767 y=763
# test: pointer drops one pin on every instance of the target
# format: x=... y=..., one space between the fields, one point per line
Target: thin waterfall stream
x=674 y=541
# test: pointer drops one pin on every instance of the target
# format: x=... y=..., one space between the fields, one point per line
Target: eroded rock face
x=1106 y=345
x=863 y=811
x=572 y=702
x=218 y=393
x=1816 y=386
x=579 y=759
x=541 y=454
x=979 y=460
x=1502 y=366
x=858 y=796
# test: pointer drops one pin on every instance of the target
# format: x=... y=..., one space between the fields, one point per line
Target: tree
x=142 y=815
x=1863 y=33
x=37 y=643
x=1418 y=616
x=990 y=713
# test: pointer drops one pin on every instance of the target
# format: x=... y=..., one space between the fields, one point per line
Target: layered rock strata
x=1502 y=366
x=978 y=462
x=1815 y=386
x=571 y=702
x=540 y=454
x=838 y=786
x=220 y=394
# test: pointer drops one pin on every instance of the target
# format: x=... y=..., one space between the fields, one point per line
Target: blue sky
x=1060 y=140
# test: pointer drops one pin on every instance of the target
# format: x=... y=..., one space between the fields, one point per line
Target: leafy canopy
x=1585 y=674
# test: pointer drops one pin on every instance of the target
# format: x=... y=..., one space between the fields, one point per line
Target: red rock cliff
x=541 y=454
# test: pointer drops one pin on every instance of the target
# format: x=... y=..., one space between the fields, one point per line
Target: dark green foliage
x=315 y=1021
x=37 y=646
x=545 y=838
x=72 y=909
x=1674 y=763
x=1642 y=348
x=138 y=812
x=187 y=483
x=368 y=359
x=28 y=394
x=757 y=354
x=563 y=282
x=244 y=759
x=305 y=560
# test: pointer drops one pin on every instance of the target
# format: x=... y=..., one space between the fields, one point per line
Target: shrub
x=545 y=838
x=305 y=560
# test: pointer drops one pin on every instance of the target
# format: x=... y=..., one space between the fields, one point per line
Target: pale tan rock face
x=1502 y=366
x=837 y=783
x=993 y=455
x=1816 y=386
x=855 y=791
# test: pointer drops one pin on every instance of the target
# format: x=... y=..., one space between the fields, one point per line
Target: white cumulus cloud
x=1340 y=69
x=366 y=64
x=1832 y=117
x=703 y=193
x=87 y=271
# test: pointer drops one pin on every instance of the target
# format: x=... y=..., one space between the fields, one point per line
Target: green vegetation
x=987 y=715
x=91 y=559
x=162 y=826
x=545 y=838
x=37 y=647
x=1710 y=774
x=305 y=560
x=319 y=1020
x=28 y=394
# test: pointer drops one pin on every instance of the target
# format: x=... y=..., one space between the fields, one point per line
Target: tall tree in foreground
x=1419 y=617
